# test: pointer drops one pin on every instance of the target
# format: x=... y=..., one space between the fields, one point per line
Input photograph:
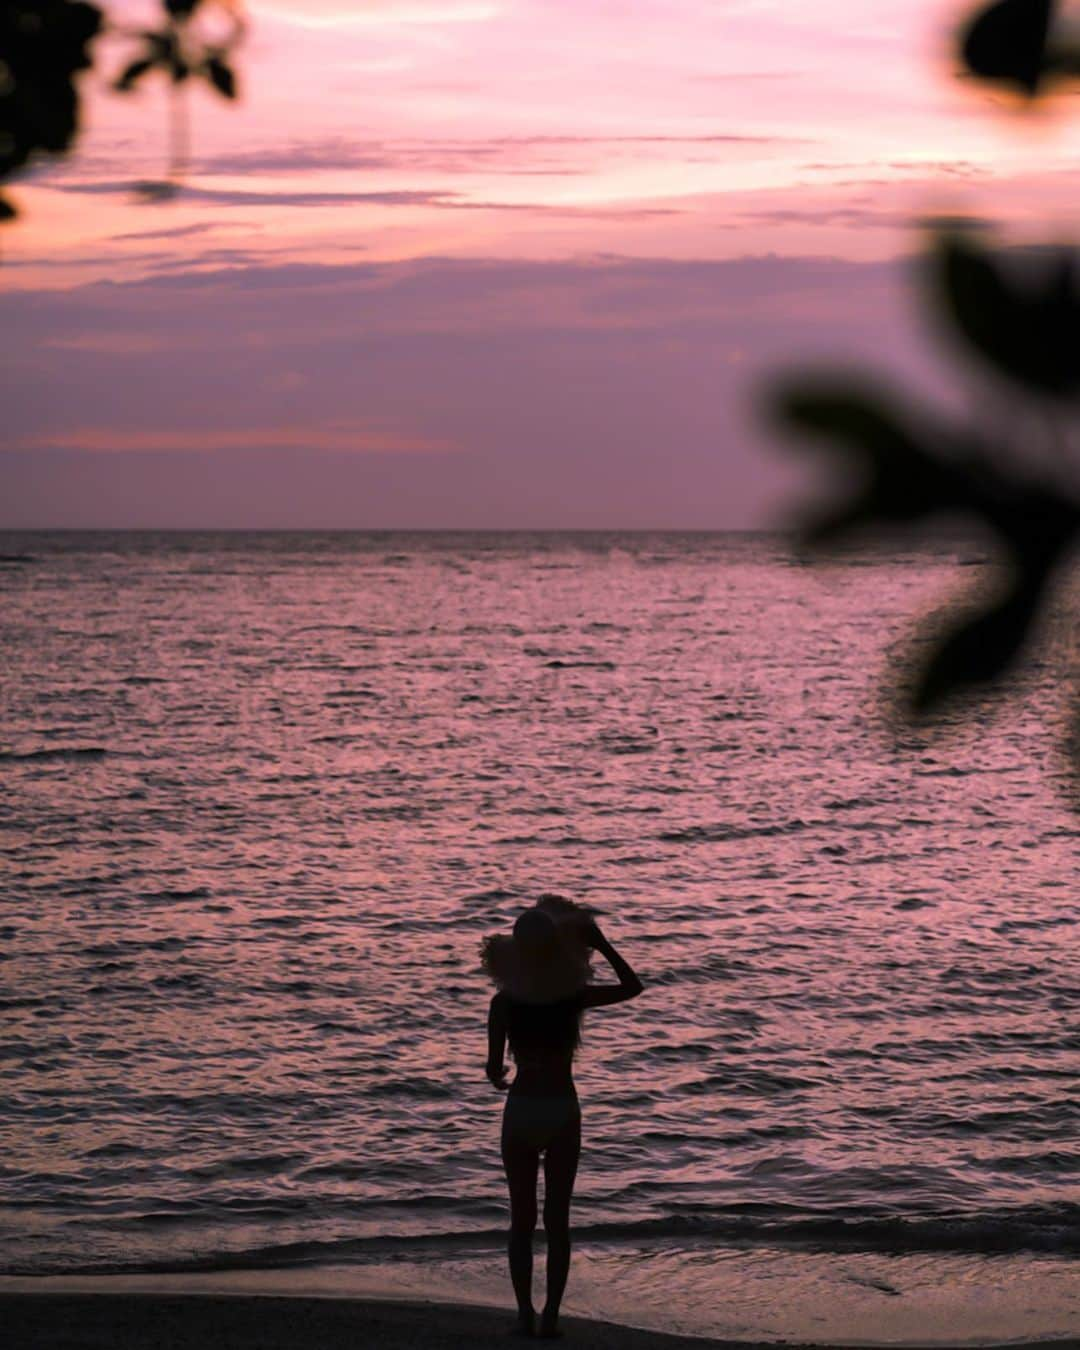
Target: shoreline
x=198 y=1319
x=430 y=1306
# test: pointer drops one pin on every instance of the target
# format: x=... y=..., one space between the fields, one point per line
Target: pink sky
x=626 y=210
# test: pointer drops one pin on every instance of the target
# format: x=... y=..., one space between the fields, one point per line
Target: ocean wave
x=1054 y=1230
x=712 y=834
x=559 y=664
x=60 y=752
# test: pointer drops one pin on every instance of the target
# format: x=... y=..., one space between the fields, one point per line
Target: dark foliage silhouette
x=1018 y=42
x=1013 y=314
x=44 y=44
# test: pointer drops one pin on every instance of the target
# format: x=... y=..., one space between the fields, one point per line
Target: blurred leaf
x=220 y=76
x=910 y=473
x=134 y=72
x=912 y=468
x=42 y=46
x=984 y=646
x=1023 y=318
x=1006 y=42
x=904 y=477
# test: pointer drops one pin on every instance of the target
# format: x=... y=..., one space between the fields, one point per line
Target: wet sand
x=137 y=1321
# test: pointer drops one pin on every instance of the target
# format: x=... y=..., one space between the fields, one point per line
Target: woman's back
x=543 y=1038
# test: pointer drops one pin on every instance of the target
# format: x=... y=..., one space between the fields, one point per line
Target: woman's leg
x=560 y=1169
x=521 y=1161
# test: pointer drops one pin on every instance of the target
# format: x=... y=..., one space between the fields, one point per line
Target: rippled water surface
x=262 y=795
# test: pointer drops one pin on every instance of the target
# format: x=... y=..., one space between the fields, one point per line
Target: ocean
x=263 y=794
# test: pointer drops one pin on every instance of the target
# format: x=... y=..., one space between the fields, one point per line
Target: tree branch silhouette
x=1015 y=312
x=45 y=44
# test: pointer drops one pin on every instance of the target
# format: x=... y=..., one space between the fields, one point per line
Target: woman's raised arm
x=629 y=986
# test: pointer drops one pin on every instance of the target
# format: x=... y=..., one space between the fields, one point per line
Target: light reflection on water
x=266 y=793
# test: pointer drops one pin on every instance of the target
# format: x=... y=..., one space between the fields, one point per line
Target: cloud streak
x=306 y=197
x=511 y=155
x=171 y=231
x=191 y=192
x=353 y=438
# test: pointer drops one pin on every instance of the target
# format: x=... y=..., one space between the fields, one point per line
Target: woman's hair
x=547 y=956
x=543 y=1026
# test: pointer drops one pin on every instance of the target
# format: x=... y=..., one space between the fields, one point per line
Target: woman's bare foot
x=549 y=1326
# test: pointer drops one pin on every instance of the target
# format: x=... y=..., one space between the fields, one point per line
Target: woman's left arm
x=495 y=1068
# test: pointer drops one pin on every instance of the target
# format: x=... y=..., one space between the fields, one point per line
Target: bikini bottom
x=536 y=1121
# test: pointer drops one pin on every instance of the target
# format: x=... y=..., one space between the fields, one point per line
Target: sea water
x=263 y=794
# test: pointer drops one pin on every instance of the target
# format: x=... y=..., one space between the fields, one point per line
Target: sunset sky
x=493 y=262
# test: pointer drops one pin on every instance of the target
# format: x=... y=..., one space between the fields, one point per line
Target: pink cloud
x=576 y=119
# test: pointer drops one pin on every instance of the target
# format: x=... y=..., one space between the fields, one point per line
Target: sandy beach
x=126 y=1321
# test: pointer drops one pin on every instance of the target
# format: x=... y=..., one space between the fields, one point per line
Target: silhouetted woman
x=542 y=973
